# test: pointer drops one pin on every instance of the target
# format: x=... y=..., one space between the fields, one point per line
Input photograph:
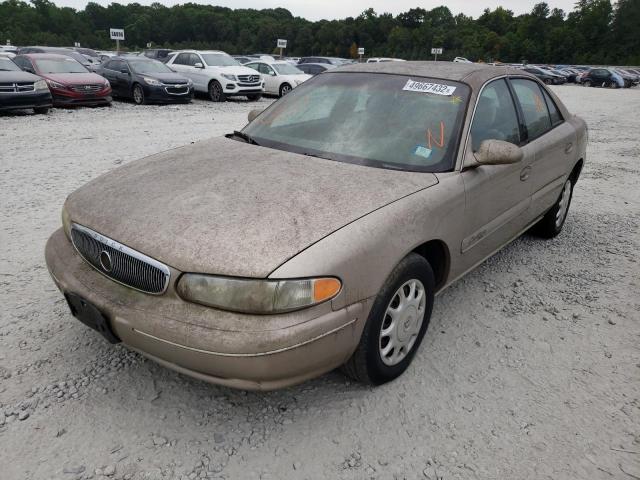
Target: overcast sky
x=331 y=9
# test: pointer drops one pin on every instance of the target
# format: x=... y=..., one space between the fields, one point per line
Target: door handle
x=568 y=148
x=524 y=174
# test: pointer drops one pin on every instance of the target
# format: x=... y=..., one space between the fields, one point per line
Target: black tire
x=586 y=83
x=366 y=364
x=548 y=81
x=614 y=85
x=550 y=225
x=216 y=93
x=137 y=93
x=41 y=110
x=254 y=98
x=284 y=89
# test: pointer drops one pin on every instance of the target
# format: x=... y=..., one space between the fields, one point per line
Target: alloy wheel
x=138 y=95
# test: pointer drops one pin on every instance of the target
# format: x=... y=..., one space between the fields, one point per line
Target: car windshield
x=58 y=65
x=381 y=120
x=219 y=60
x=145 y=66
x=287 y=69
x=7 y=65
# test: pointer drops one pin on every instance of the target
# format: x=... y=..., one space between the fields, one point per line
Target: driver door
x=497 y=197
x=271 y=83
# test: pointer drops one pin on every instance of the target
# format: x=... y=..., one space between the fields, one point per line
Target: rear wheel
x=138 y=95
x=284 y=89
x=41 y=110
x=216 y=94
x=551 y=224
x=586 y=83
x=396 y=324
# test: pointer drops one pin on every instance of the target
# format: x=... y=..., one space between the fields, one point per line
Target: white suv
x=217 y=74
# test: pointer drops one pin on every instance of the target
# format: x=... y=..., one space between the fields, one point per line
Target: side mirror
x=198 y=65
x=272 y=73
x=253 y=114
x=494 y=152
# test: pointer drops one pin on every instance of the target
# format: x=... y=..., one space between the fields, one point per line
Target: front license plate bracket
x=88 y=314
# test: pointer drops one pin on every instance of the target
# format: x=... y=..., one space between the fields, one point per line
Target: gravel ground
x=530 y=368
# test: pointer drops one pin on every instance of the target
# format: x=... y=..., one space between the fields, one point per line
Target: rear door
x=552 y=139
x=497 y=197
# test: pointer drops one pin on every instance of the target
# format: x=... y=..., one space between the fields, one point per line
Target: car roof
x=473 y=74
x=199 y=51
x=52 y=56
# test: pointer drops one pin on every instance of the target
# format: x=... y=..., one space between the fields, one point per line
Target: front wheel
x=586 y=83
x=551 y=224
x=613 y=85
x=216 y=94
x=138 y=95
x=284 y=89
x=396 y=324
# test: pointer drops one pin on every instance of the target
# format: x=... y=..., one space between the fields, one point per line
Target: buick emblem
x=105 y=261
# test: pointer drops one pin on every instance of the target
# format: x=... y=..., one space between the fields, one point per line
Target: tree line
x=595 y=32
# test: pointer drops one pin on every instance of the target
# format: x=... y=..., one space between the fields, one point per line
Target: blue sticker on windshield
x=422 y=151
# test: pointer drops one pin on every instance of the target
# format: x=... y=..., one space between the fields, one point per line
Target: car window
x=554 y=113
x=182 y=59
x=534 y=108
x=23 y=63
x=387 y=121
x=495 y=117
x=255 y=66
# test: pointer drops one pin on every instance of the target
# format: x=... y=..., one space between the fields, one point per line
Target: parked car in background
x=217 y=74
x=145 y=80
x=21 y=90
x=279 y=77
x=462 y=60
x=319 y=235
x=244 y=59
x=161 y=54
x=315 y=68
x=546 y=76
x=570 y=74
x=7 y=54
x=384 y=59
x=628 y=78
x=331 y=60
x=77 y=56
x=69 y=81
x=602 y=77
x=89 y=52
x=8 y=49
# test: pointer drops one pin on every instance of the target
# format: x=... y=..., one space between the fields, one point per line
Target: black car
x=146 y=81
x=314 y=68
x=21 y=90
x=600 y=77
x=546 y=76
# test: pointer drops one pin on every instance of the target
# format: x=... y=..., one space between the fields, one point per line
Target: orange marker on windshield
x=430 y=137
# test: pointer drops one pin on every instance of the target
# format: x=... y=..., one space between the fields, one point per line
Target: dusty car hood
x=227 y=207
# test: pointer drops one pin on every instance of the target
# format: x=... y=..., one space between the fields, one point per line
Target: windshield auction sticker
x=427 y=87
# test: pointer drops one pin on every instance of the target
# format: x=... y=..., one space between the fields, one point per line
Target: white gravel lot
x=530 y=368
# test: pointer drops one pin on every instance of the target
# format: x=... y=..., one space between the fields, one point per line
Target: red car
x=69 y=81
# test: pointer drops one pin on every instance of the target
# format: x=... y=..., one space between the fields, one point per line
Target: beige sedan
x=318 y=236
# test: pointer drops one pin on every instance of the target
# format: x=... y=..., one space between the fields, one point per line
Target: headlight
x=256 y=296
x=66 y=222
x=40 y=86
x=152 y=81
x=56 y=85
x=230 y=77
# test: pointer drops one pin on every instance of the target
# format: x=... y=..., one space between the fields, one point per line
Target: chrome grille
x=177 y=89
x=17 y=87
x=119 y=262
x=87 y=88
x=249 y=78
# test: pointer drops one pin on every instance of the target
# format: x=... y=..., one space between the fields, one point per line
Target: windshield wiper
x=243 y=136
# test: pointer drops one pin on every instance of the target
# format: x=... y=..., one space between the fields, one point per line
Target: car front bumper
x=18 y=101
x=88 y=100
x=233 y=89
x=241 y=351
x=164 y=94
